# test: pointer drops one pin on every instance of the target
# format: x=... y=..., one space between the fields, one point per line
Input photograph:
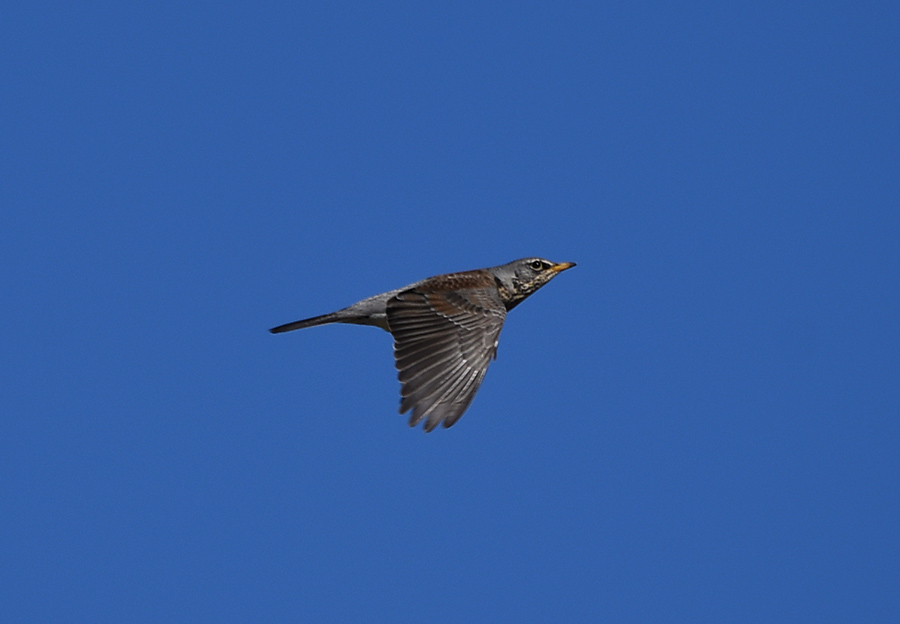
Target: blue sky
x=699 y=423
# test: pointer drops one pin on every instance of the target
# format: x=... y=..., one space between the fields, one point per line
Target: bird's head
x=518 y=279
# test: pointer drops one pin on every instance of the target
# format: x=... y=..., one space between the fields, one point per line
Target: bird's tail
x=310 y=322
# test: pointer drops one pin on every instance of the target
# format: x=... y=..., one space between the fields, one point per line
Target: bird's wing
x=445 y=334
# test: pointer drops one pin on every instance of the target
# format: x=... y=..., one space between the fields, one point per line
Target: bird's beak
x=562 y=266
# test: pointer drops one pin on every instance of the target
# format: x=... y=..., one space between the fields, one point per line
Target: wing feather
x=445 y=334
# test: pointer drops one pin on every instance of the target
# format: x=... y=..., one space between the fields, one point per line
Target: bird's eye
x=537 y=265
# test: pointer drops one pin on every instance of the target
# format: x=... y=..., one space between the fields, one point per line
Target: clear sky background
x=699 y=423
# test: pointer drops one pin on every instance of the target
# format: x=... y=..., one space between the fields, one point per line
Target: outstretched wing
x=445 y=334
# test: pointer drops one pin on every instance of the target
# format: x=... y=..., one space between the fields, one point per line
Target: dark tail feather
x=310 y=322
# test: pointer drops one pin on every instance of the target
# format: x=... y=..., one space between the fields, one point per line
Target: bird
x=446 y=329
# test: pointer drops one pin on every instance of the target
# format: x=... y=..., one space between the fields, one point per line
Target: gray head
x=520 y=278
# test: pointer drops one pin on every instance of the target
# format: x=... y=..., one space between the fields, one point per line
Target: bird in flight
x=446 y=329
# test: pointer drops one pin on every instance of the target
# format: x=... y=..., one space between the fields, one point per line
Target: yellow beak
x=562 y=266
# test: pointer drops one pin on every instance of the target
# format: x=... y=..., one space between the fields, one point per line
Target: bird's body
x=445 y=330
